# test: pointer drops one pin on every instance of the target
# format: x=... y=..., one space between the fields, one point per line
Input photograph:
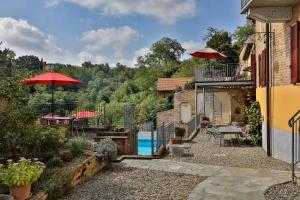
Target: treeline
x=103 y=84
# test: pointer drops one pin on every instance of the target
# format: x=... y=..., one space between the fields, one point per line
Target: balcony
x=268 y=10
x=244 y=3
x=222 y=75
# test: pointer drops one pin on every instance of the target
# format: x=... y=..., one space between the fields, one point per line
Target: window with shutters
x=259 y=70
x=295 y=53
x=253 y=70
x=263 y=68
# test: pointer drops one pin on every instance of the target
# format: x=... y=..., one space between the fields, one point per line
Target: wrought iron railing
x=294 y=123
x=220 y=72
x=193 y=124
x=105 y=115
x=165 y=132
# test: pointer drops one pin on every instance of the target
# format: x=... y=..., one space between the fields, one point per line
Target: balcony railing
x=244 y=3
x=220 y=73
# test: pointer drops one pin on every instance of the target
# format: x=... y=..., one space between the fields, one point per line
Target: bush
x=255 y=122
x=55 y=182
x=67 y=156
x=21 y=173
x=106 y=149
x=78 y=145
x=55 y=162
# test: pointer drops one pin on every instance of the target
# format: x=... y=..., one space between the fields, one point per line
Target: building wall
x=163 y=94
x=237 y=100
x=166 y=116
x=284 y=95
x=186 y=96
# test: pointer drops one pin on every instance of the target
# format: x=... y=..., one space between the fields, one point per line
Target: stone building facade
x=185 y=107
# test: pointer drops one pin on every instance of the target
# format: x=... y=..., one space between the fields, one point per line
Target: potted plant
x=204 y=122
x=18 y=177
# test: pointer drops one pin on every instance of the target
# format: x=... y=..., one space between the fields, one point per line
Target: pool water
x=144 y=143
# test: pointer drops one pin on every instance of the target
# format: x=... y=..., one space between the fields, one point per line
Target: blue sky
x=73 y=31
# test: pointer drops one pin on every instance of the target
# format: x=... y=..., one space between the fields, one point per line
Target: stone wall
x=88 y=168
x=166 y=116
x=186 y=96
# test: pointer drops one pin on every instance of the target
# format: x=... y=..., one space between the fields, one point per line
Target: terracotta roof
x=170 y=84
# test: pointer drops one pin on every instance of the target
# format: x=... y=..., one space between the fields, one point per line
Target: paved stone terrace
x=230 y=183
x=206 y=150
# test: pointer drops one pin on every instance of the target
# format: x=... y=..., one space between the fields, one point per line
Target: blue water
x=144 y=144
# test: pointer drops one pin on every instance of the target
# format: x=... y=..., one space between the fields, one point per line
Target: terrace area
x=222 y=75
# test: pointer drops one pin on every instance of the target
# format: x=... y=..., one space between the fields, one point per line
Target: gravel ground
x=130 y=183
x=206 y=150
x=284 y=191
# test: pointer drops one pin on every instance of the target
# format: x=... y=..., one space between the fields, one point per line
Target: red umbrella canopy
x=52 y=78
x=208 y=53
x=86 y=114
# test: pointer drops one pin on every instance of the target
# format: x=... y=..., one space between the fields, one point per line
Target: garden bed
x=120 y=182
x=56 y=182
x=283 y=191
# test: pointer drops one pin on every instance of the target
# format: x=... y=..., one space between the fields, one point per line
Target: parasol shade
x=52 y=78
x=208 y=53
x=86 y=114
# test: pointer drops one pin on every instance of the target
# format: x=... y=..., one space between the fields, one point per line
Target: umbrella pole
x=52 y=99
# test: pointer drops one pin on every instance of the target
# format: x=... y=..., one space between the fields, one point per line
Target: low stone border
x=85 y=170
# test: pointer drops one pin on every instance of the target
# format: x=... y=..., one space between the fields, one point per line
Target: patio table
x=229 y=130
x=58 y=119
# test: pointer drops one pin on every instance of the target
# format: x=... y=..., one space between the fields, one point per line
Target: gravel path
x=284 y=191
x=206 y=150
x=129 y=183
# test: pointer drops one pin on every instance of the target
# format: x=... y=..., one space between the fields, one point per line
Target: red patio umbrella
x=86 y=114
x=52 y=78
x=208 y=53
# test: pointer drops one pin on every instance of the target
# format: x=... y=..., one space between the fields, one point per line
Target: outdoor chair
x=188 y=147
x=246 y=132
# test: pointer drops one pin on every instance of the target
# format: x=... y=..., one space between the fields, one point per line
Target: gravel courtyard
x=119 y=182
x=206 y=150
x=284 y=191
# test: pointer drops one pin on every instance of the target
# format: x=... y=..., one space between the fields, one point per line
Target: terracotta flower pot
x=174 y=141
x=20 y=192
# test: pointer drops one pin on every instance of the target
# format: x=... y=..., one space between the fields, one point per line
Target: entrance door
x=185 y=112
x=222 y=107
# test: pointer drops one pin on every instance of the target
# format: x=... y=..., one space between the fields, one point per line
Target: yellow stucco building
x=276 y=52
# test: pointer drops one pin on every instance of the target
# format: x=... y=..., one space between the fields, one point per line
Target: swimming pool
x=144 y=143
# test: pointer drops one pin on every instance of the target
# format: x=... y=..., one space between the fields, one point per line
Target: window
x=295 y=53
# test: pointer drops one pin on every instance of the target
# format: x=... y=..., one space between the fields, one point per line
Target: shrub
x=55 y=162
x=55 y=182
x=78 y=145
x=106 y=149
x=255 y=122
x=67 y=156
x=21 y=173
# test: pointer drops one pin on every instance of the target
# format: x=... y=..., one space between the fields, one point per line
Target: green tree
x=242 y=33
x=162 y=52
x=30 y=62
x=222 y=41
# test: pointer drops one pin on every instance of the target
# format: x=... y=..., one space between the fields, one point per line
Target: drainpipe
x=268 y=89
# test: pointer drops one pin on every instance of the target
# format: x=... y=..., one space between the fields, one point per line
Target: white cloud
x=85 y=57
x=191 y=46
x=116 y=38
x=25 y=39
x=166 y=11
